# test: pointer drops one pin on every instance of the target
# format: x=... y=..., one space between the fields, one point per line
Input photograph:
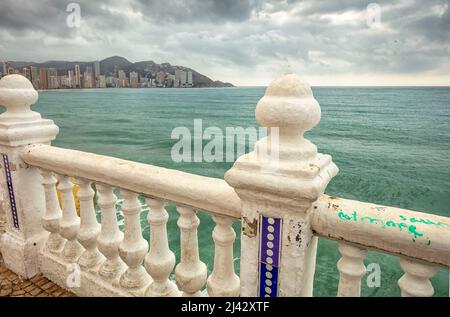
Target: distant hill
x=113 y=63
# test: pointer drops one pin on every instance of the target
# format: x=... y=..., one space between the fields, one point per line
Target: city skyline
x=44 y=78
x=246 y=42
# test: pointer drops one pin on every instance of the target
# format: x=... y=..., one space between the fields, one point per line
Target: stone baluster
x=89 y=227
x=52 y=214
x=133 y=248
x=160 y=260
x=110 y=235
x=190 y=273
x=351 y=268
x=278 y=183
x=70 y=222
x=21 y=191
x=223 y=282
x=416 y=280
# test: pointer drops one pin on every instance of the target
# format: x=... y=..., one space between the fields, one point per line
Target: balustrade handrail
x=200 y=192
x=392 y=230
x=426 y=237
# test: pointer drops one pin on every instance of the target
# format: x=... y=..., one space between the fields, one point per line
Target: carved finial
x=288 y=104
x=17 y=95
x=290 y=168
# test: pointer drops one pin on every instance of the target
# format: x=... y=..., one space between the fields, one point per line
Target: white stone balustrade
x=278 y=183
x=22 y=194
x=133 y=248
x=89 y=227
x=416 y=280
x=223 y=281
x=110 y=236
x=190 y=273
x=70 y=222
x=53 y=214
x=351 y=268
x=276 y=192
x=160 y=260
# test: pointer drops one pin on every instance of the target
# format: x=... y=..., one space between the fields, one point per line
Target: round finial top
x=288 y=104
x=289 y=85
x=17 y=94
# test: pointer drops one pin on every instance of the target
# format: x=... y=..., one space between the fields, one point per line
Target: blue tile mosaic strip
x=269 y=255
x=12 y=199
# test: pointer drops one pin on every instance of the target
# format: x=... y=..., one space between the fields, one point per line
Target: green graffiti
x=410 y=229
x=372 y=220
x=429 y=222
x=402 y=225
x=343 y=216
x=391 y=223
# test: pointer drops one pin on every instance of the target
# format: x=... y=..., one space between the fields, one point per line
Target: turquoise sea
x=392 y=146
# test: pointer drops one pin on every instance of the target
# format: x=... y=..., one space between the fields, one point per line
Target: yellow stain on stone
x=75 y=198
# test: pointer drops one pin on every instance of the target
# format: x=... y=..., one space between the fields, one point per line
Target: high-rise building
x=88 y=79
x=77 y=76
x=43 y=83
x=52 y=72
x=96 y=69
x=101 y=81
x=5 y=68
x=123 y=80
x=71 y=78
x=27 y=73
x=180 y=77
x=35 y=76
x=52 y=78
x=65 y=81
x=160 y=78
x=112 y=81
x=134 y=80
x=190 y=81
x=170 y=80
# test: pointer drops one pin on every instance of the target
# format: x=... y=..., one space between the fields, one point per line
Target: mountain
x=111 y=64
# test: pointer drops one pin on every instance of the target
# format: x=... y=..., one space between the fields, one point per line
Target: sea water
x=392 y=146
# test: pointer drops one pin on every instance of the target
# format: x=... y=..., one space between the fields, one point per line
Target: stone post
x=21 y=185
x=278 y=183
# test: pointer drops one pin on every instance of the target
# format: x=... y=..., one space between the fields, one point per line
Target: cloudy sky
x=246 y=42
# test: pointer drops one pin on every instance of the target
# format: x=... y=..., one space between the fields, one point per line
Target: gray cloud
x=237 y=39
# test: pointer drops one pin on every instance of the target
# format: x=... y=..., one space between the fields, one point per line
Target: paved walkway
x=13 y=285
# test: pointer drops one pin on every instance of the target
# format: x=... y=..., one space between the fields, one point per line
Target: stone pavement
x=38 y=286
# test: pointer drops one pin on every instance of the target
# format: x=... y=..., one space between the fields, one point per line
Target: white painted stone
x=282 y=186
x=19 y=126
x=149 y=180
x=387 y=229
x=223 y=281
x=52 y=215
x=416 y=280
x=190 y=273
x=160 y=260
x=70 y=222
x=110 y=236
x=351 y=268
x=89 y=227
x=133 y=248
